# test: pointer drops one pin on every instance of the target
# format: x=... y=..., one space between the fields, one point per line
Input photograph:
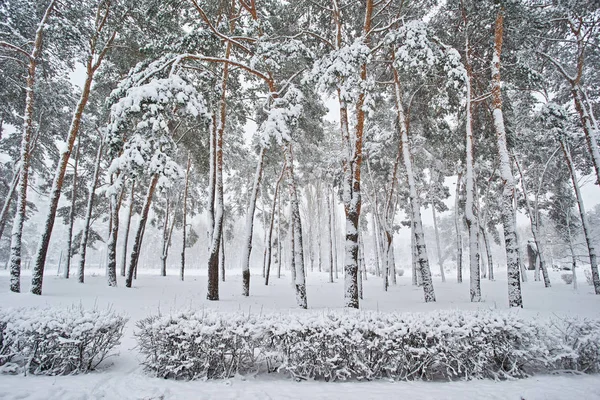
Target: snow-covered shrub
x=366 y=345
x=581 y=339
x=400 y=271
x=199 y=345
x=53 y=341
x=568 y=278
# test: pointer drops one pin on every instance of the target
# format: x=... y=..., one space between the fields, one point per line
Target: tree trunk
x=459 y=244
x=292 y=251
x=415 y=204
x=298 y=253
x=184 y=217
x=375 y=237
x=352 y=161
x=165 y=240
x=488 y=251
x=335 y=235
x=247 y=249
x=589 y=128
x=88 y=214
x=72 y=215
x=94 y=61
x=111 y=268
x=127 y=227
x=318 y=225
x=521 y=263
x=389 y=259
x=309 y=226
x=217 y=229
x=437 y=243
x=271 y=224
x=362 y=252
x=572 y=250
x=137 y=244
x=222 y=258
x=279 y=257
x=533 y=219
x=470 y=216
x=331 y=238
x=361 y=266
x=20 y=212
x=508 y=211
x=584 y=219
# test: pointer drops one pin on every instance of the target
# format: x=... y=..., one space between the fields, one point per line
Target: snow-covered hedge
x=56 y=341
x=343 y=345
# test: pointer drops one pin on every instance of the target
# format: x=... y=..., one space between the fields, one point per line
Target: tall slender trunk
x=309 y=226
x=533 y=219
x=127 y=227
x=292 y=247
x=247 y=249
x=457 y=225
x=72 y=215
x=111 y=268
x=271 y=224
x=352 y=161
x=375 y=237
x=335 y=235
x=437 y=244
x=222 y=258
x=488 y=252
x=184 y=217
x=298 y=254
x=331 y=238
x=211 y=182
x=20 y=212
x=388 y=246
x=572 y=249
x=137 y=244
x=415 y=204
x=589 y=128
x=589 y=240
x=470 y=216
x=279 y=257
x=94 y=60
x=88 y=214
x=318 y=226
x=167 y=233
x=217 y=229
x=521 y=263
x=165 y=239
x=361 y=266
x=508 y=211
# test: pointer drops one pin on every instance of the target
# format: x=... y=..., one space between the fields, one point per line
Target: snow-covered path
x=135 y=385
x=122 y=378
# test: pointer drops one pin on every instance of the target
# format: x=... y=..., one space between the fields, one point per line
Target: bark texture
x=508 y=211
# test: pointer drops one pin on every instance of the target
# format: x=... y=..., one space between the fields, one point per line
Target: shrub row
x=52 y=341
x=343 y=345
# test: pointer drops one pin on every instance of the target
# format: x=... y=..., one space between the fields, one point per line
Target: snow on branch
x=417 y=53
x=146 y=113
x=282 y=115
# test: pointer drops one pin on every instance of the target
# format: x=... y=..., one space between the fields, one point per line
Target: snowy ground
x=122 y=377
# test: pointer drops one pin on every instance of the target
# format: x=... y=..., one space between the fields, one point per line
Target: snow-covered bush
x=355 y=345
x=53 y=341
x=567 y=278
x=199 y=345
x=581 y=339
